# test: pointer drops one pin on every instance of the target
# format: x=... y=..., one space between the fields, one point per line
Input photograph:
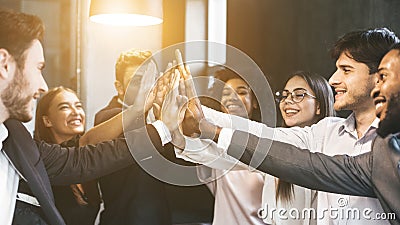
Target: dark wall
x=59 y=39
x=283 y=36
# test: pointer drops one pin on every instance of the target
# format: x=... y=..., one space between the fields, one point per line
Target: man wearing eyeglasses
x=357 y=57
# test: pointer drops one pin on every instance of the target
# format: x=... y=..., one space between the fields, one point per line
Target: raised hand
x=194 y=114
x=173 y=107
x=194 y=124
x=163 y=87
x=146 y=94
x=133 y=116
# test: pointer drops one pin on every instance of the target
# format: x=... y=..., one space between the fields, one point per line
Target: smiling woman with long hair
x=60 y=119
x=306 y=99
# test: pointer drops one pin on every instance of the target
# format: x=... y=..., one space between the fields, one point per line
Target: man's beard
x=15 y=100
x=391 y=123
x=355 y=100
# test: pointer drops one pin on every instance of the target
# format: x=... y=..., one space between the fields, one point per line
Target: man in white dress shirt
x=21 y=82
x=357 y=57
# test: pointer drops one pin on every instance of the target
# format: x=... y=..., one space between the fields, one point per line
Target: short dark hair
x=395 y=47
x=365 y=46
x=132 y=57
x=18 y=31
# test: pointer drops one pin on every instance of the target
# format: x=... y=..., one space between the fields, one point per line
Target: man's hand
x=146 y=93
x=173 y=107
x=178 y=140
x=209 y=130
x=145 y=96
x=163 y=87
x=194 y=113
x=194 y=123
x=181 y=110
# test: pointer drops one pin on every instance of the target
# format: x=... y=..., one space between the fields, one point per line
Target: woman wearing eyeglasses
x=305 y=100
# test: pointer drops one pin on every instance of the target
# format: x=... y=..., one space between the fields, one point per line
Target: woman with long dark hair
x=60 y=119
x=306 y=99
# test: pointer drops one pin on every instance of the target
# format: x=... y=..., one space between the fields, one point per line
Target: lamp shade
x=126 y=12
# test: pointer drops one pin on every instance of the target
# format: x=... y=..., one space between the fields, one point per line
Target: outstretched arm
x=339 y=174
x=113 y=127
x=76 y=165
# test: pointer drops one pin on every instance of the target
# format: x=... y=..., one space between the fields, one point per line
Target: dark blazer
x=130 y=195
x=373 y=174
x=112 y=109
x=41 y=163
x=65 y=197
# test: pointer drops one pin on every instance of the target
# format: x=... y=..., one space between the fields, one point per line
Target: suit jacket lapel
x=23 y=152
x=394 y=144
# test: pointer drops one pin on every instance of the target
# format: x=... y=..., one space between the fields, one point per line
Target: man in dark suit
x=41 y=163
x=21 y=82
x=373 y=174
x=131 y=195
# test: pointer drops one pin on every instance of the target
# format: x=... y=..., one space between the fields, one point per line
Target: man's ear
x=119 y=87
x=46 y=121
x=4 y=63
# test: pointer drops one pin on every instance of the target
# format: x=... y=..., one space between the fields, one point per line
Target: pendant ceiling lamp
x=126 y=12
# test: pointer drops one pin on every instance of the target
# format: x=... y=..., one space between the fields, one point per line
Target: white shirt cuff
x=225 y=137
x=162 y=131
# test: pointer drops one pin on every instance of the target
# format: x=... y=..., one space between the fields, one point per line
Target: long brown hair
x=42 y=133
x=324 y=96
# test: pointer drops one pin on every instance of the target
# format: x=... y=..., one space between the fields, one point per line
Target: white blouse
x=237 y=195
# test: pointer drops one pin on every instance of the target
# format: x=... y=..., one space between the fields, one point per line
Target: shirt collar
x=349 y=124
x=3 y=134
x=375 y=123
x=394 y=142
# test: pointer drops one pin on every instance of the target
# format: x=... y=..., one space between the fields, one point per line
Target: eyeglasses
x=297 y=94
